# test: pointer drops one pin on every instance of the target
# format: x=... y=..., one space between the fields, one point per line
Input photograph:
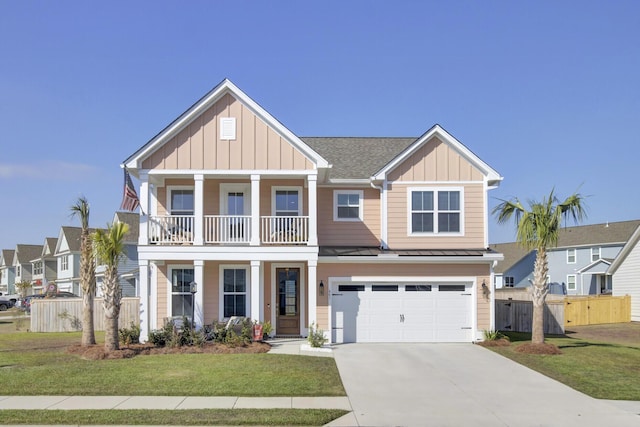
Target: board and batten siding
x=349 y=233
x=626 y=281
x=398 y=217
x=256 y=146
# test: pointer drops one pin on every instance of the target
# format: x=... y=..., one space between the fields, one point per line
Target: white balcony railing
x=171 y=229
x=283 y=230
x=227 y=229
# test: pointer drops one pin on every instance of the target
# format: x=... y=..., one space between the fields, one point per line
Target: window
x=351 y=288
x=37 y=267
x=595 y=254
x=18 y=269
x=435 y=211
x=508 y=281
x=181 y=296
x=571 y=256
x=384 y=288
x=417 y=288
x=451 y=288
x=287 y=202
x=64 y=263
x=571 y=282
x=347 y=205
x=234 y=287
x=181 y=201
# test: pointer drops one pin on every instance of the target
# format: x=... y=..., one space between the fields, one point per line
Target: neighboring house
x=67 y=254
x=625 y=270
x=128 y=266
x=7 y=272
x=44 y=268
x=370 y=239
x=580 y=263
x=22 y=257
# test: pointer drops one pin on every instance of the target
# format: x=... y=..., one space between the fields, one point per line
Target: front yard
x=602 y=361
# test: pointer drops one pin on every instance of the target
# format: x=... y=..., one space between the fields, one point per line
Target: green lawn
x=599 y=369
x=38 y=364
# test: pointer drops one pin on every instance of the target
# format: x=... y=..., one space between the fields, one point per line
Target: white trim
x=171 y=188
x=624 y=252
x=244 y=188
x=228 y=128
x=436 y=232
x=360 y=194
x=170 y=269
x=229 y=173
x=303 y=294
x=247 y=287
x=575 y=282
x=437 y=183
x=300 y=191
x=575 y=255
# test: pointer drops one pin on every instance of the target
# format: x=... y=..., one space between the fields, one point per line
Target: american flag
x=130 y=200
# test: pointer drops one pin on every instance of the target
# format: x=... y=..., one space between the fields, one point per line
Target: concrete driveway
x=459 y=385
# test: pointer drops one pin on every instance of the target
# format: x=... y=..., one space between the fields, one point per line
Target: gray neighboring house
x=22 y=257
x=626 y=274
x=579 y=265
x=44 y=269
x=128 y=266
x=67 y=254
x=7 y=272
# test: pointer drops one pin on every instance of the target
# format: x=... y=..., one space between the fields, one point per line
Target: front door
x=288 y=303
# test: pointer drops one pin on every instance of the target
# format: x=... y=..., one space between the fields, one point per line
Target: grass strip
x=212 y=417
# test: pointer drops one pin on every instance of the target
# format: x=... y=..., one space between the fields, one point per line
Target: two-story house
x=44 y=267
x=7 y=272
x=128 y=264
x=67 y=254
x=370 y=239
x=578 y=265
x=22 y=263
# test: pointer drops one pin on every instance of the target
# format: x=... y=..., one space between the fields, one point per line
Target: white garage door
x=399 y=312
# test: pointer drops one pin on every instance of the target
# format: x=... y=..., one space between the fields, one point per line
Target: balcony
x=228 y=230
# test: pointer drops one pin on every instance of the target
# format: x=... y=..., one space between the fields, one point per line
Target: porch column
x=255 y=210
x=198 y=277
x=257 y=297
x=198 y=210
x=312 y=294
x=143 y=233
x=144 y=299
x=312 y=181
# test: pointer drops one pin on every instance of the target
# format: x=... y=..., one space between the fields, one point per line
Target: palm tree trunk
x=539 y=291
x=88 y=282
x=112 y=297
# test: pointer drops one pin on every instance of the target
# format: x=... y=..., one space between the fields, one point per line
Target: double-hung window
x=595 y=254
x=64 y=263
x=571 y=256
x=181 y=201
x=234 y=292
x=37 y=267
x=508 y=281
x=181 y=296
x=287 y=202
x=433 y=211
x=347 y=205
x=571 y=282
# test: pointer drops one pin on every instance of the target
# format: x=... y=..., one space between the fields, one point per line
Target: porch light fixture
x=193 y=288
x=321 y=288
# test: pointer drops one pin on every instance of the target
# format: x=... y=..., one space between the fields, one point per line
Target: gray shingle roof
x=26 y=253
x=133 y=220
x=354 y=157
x=7 y=257
x=512 y=252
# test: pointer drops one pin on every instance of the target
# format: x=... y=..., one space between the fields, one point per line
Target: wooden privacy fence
x=65 y=314
x=597 y=309
x=513 y=315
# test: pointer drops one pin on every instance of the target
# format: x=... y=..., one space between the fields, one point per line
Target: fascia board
x=485 y=259
x=624 y=252
x=134 y=161
x=491 y=175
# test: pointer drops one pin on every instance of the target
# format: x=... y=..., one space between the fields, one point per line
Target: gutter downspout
x=383 y=212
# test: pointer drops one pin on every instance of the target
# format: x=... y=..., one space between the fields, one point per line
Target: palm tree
x=538 y=228
x=87 y=271
x=109 y=248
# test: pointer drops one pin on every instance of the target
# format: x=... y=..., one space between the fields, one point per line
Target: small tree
x=538 y=228
x=23 y=287
x=109 y=249
x=87 y=271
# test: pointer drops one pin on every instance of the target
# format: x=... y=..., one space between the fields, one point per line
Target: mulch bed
x=545 y=348
x=502 y=342
x=97 y=352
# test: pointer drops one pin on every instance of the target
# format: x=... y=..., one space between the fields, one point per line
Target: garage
x=401 y=312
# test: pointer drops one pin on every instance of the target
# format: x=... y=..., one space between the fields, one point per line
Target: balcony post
x=255 y=210
x=143 y=236
x=198 y=210
x=312 y=181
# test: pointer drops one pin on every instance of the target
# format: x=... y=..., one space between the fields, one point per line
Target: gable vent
x=228 y=128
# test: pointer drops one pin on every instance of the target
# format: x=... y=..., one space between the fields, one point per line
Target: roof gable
x=68 y=240
x=133 y=221
x=6 y=258
x=626 y=250
x=225 y=88
x=24 y=254
x=492 y=177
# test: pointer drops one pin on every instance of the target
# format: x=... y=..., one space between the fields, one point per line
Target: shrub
x=493 y=335
x=130 y=335
x=316 y=336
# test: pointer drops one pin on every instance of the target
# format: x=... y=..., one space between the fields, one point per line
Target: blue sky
x=546 y=92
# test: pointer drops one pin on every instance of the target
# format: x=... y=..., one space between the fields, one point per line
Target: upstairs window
x=64 y=263
x=181 y=202
x=18 y=270
x=37 y=267
x=435 y=211
x=508 y=281
x=571 y=256
x=595 y=254
x=347 y=205
x=287 y=202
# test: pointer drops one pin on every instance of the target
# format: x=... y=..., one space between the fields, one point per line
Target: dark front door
x=288 y=304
